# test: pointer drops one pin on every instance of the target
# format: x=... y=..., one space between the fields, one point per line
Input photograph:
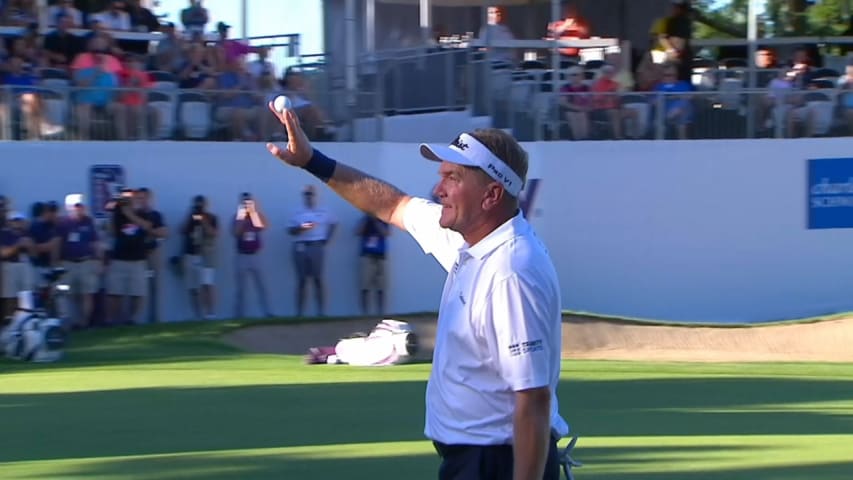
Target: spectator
x=62 y=46
x=194 y=18
x=678 y=109
x=372 y=233
x=678 y=32
x=98 y=53
x=845 y=87
x=200 y=229
x=767 y=63
x=28 y=48
x=168 y=55
x=129 y=227
x=114 y=18
x=312 y=228
x=248 y=226
x=158 y=232
x=64 y=8
x=139 y=114
x=197 y=71
x=576 y=102
x=497 y=30
x=800 y=114
x=45 y=251
x=237 y=106
x=99 y=31
x=141 y=18
x=312 y=118
x=774 y=105
x=22 y=86
x=261 y=66
x=233 y=49
x=572 y=27
x=98 y=83
x=15 y=245
x=648 y=75
x=606 y=106
x=20 y=13
x=81 y=257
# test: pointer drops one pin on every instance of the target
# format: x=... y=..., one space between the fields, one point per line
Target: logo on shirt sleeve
x=523 y=348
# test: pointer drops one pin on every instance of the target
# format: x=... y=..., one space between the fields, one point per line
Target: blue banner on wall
x=830 y=195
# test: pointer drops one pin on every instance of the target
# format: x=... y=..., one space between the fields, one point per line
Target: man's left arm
x=522 y=320
x=531 y=431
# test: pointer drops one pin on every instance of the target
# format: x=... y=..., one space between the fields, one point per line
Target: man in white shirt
x=311 y=227
x=114 y=17
x=491 y=404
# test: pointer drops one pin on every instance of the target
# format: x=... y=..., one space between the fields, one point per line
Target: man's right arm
x=369 y=194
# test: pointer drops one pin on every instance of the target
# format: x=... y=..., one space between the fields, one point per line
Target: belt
x=10 y=260
x=309 y=242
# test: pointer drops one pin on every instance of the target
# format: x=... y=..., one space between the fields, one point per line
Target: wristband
x=320 y=166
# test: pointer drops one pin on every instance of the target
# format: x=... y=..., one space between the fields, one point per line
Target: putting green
x=173 y=402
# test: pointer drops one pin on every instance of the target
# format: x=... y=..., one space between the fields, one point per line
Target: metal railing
x=97 y=113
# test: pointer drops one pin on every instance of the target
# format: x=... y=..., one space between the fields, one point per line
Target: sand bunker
x=595 y=338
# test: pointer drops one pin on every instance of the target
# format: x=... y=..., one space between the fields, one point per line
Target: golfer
x=491 y=404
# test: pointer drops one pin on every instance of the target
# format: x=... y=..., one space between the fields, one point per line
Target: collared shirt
x=322 y=220
x=79 y=236
x=499 y=328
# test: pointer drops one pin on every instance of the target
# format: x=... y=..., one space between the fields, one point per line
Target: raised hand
x=298 y=150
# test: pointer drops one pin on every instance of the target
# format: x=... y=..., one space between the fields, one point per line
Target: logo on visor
x=499 y=175
x=458 y=143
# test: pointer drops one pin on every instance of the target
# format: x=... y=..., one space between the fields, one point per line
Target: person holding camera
x=311 y=227
x=200 y=230
x=129 y=228
x=248 y=225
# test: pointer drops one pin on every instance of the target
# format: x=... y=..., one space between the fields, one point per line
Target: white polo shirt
x=499 y=328
x=322 y=219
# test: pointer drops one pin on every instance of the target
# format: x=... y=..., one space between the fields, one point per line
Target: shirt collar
x=514 y=227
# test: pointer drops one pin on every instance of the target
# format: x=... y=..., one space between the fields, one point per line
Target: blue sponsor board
x=830 y=193
x=105 y=183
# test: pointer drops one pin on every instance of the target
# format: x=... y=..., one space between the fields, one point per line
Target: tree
x=782 y=18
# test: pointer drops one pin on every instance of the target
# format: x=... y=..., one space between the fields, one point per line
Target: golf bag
x=32 y=335
x=391 y=342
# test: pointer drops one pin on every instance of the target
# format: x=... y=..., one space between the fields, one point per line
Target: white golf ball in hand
x=281 y=103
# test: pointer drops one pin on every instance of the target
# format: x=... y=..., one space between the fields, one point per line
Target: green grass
x=173 y=402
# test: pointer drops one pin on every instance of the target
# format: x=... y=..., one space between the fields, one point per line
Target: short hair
x=505 y=147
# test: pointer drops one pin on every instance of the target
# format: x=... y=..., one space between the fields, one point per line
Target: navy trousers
x=487 y=462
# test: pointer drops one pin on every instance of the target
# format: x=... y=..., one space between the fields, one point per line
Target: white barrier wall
x=700 y=231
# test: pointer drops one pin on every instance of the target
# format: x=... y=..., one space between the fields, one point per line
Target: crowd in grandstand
x=616 y=99
x=111 y=77
x=81 y=78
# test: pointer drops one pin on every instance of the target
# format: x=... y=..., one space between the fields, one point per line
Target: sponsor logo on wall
x=830 y=193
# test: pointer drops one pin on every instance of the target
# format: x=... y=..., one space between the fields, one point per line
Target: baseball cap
x=72 y=200
x=468 y=151
x=222 y=26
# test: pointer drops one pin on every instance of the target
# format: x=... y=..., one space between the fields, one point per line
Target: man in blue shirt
x=45 y=241
x=15 y=245
x=373 y=233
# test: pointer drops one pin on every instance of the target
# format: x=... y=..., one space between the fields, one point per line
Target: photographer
x=129 y=227
x=45 y=241
x=248 y=225
x=15 y=245
x=200 y=230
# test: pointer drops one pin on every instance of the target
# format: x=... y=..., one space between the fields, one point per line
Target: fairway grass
x=174 y=402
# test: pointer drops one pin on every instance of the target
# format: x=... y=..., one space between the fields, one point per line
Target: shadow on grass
x=170 y=420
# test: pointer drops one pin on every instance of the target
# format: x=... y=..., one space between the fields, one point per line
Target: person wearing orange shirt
x=136 y=108
x=572 y=27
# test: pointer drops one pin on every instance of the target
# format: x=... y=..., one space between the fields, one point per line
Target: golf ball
x=281 y=103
